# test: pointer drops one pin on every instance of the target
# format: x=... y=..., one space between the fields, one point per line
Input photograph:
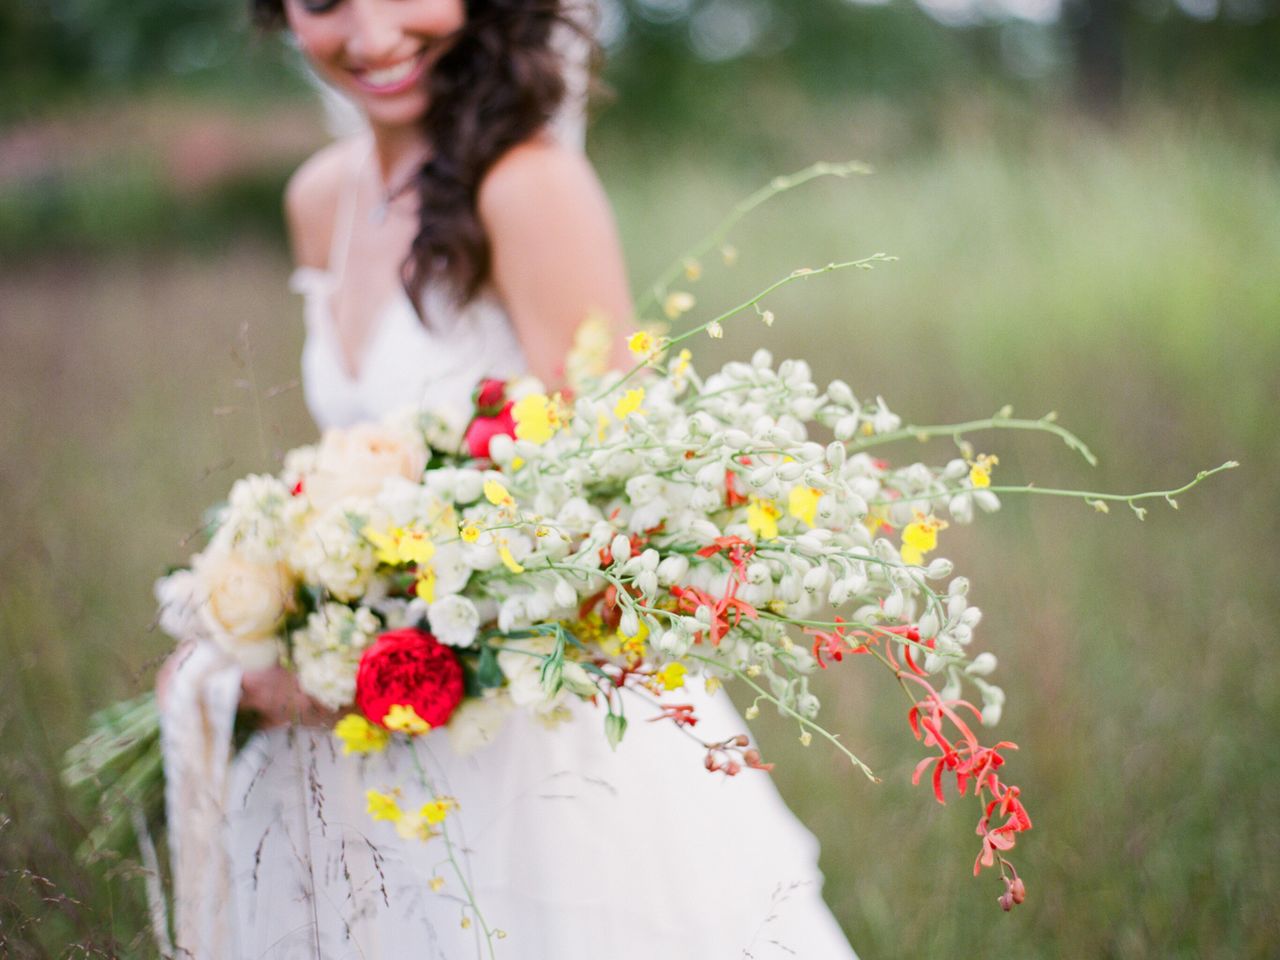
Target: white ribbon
x=196 y=723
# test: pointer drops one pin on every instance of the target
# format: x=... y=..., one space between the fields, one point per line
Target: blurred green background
x=1085 y=201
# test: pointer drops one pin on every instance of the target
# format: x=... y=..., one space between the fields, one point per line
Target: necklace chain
x=378 y=213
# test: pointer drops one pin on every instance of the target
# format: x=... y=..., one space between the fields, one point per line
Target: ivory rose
x=354 y=461
x=244 y=604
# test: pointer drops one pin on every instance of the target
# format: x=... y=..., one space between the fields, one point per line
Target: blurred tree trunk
x=1098 y=33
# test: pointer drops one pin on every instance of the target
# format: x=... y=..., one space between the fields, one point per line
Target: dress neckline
x=350 y=367
x=352 y=373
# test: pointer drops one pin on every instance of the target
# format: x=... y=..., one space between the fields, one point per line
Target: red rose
x=490 y=397
x=484 y=429
x=409 y=667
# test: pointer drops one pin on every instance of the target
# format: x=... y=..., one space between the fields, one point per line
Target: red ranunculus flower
x=409 y=667
x=490 y=397
x=484 y=429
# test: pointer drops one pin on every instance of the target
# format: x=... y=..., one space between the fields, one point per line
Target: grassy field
x=1126 y=279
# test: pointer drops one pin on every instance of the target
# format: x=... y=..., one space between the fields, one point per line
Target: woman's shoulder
x=311 y=200
x=535 y=178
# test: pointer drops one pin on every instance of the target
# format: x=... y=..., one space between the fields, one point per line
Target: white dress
x=573 y=850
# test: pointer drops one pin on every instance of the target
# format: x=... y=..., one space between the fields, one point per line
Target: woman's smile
x=391 y=79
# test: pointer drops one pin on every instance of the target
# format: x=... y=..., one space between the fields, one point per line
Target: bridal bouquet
x=616 y=543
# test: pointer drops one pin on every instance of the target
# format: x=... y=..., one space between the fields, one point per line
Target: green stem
x=802 y=720
x=1087 y=495
x=657 y=290
x=1044 y=424
x=453 y=860
x=866 y=263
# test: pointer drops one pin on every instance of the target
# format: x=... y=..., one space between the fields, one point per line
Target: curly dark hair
x=499 y=83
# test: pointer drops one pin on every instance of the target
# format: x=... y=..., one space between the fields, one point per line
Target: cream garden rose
x=244 y=604
x=354 y=461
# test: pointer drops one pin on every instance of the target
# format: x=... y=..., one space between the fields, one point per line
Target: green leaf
x=615 y=726
x=488 y=673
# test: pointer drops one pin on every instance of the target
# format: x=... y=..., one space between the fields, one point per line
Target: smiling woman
x=486 y=268
x=377 y=54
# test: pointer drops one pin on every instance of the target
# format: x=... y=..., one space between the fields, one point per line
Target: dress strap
x=344 y=220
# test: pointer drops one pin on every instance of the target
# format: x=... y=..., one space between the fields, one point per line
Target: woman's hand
x=274 y=694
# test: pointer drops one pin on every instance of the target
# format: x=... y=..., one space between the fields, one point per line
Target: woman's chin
x=390 y=113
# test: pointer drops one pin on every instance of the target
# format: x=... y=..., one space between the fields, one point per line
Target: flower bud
x=711 y=476
x=620 y=547
x=674 y=643
x=846 y=427
x=807 y=706
x=991 y=714
x=961 y=508
x=565 y=595
x=835 y=454
x=987 y=500
x=647 y=583
x=737 y=439
x=629 y=623
x=762 y=359
x=856 y=506
x=811 y=452
x=983 y=665
x=502 y=449
x=537 y=607
x=840 y=393
x=928 y=625
x=939 y=568
x=672 y=568
x=816 y=579
x=841 y=591
x=759 y=476
x=790 y=472
x=885 y=551
x=893 y=605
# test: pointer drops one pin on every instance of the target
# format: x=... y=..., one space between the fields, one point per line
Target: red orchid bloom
x=962 y=755
x=681 y=714
x=726 y=612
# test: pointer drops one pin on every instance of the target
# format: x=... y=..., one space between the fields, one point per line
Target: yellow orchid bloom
x=672 y=675
x=402 y=718
x=629 y=403
x=980 y=469
x=802 y=504
x=762 y=518
x=383 y=806
x=399 y=545
x=358 y=735
x=508 y=558
x=536 y=417
x=920 y=536
x=497 y=494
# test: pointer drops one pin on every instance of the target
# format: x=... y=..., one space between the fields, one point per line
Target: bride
x=462 y=234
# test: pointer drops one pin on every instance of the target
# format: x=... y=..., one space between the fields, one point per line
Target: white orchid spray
x=616 y=542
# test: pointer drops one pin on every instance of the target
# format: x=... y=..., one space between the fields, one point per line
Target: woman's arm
x=556 y=257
